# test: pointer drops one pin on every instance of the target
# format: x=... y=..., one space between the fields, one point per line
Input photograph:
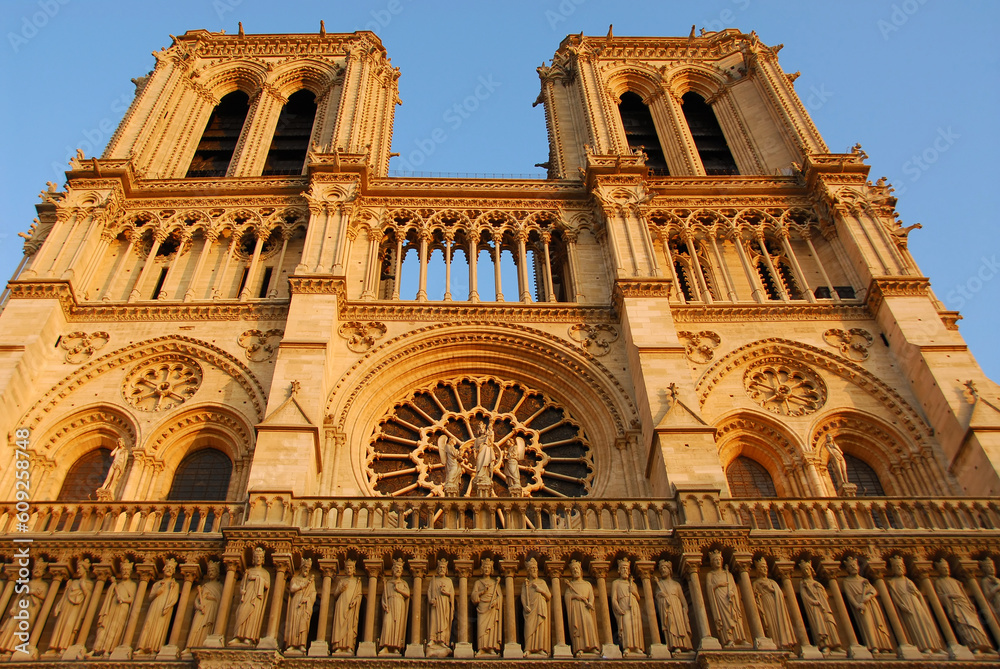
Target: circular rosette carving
x=406 y=455
x=162 y=383
x=785 y=389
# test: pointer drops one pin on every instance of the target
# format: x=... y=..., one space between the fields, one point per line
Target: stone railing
x=385 y=514
x=122 y=517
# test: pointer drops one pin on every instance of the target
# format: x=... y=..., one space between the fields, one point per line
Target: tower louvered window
x=222 y=133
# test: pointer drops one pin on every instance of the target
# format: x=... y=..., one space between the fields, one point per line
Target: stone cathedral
x=686 y=399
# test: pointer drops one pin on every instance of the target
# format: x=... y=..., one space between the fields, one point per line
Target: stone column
x=956 y=651
x=220 y=281
x=690 y=564
x=321 y=647
x=657 y=650
x=806 y=651
x=398 y=265
x=60 y=572
x=208 y=239
x=261 y=234
x=473 y=259
x=282 y=565
x=609 y=649
x=171 y=651
x=418 y=568
x=271 y=290
x=367 y=647
x=497 y=239
x=560 y=649
x=448 y=240
x=855 y=650
x=463 y=649
x=976 y=591
x=422 y=276
x=146 y=573
x=217 y=639
x=524 y=295
x=75 y=652
x=511 y=649
x=760 y=640
x=904 y=649
x=159 y=237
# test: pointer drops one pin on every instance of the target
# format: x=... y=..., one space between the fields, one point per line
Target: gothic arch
x=234 y=75
x=849 y=371
x=756 y=436
x=645 y=82
x=139 y=351
x=543 y=361
x=703 y=80
x=309 y=74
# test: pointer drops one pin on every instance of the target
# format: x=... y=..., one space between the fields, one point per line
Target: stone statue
x=535 y=597
x=488 y=598
x=163 y=598
x=206 y=606
x=119 y=458
x=37 y=589
x=625 y=604
x=990 y=584
x=484 y=458
x=580 y=614
x=113 y=617
x=862 y=598
x=302 y=596
x=959 y=609
x=449 y=454
x=835 y=457
x=913 y=611
x=69 y=610
x=816 y=603
x=771 y=605
x=673 y=609
x=724 y=603
x=441 y=601
x=395 y=595
x=347 y=592
x=511 y=465
x=253 y=598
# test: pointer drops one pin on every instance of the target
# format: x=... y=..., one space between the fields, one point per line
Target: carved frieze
x=79 y=346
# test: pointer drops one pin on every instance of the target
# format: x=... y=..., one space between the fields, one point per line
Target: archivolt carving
x=787 y=350
x=241 y=434
x=86 y=419
x=511 y=334
x=362 y=336
x=596 y=339
x=162 y=382
x=195 y=348
x=852 y=343
x=79 y=346
x=700 y=346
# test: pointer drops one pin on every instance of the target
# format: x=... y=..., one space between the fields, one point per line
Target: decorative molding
x=950 y=319
x=80 y=346
x=318 y=285
x=596 y=339
x=690 y=313
x=853 y=343
x=506 y=312
x=699 y=346
x=260 y=345
x=362 y=336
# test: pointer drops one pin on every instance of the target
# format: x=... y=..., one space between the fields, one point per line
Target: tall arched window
x=290 y=145
x=748 y=478
x=862 y=475
x=707 y=135
x=85 y=476
x=218 y=142
x=203 y=476
x=640 y=132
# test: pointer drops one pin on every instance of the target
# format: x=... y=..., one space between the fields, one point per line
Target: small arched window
x=748 y=478
x=222 y=133
x=203 y=476
x=707 y=134
x=862 y=475
x=290 y=144
x=85 y=476
x=640 y=132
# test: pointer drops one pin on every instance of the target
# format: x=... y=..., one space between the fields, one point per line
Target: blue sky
x=915 y=81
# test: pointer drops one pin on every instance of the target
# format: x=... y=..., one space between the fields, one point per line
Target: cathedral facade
x=688 y=398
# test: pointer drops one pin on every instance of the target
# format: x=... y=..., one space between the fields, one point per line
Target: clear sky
x=915 y=81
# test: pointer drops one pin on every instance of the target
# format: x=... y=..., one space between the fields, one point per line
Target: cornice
x=697 y=313
x=466 y=313
x=114 y=312
x=895 y=286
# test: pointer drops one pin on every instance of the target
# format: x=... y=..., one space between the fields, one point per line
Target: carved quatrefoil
x=785 y=389
x=853 y=343
x=162 y=383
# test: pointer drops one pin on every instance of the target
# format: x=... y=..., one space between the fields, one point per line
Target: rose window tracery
x=785 y=389
x=162 y=383
x=407 y=453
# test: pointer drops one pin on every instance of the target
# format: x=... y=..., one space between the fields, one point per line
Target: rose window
x=161 y=384
x=784 y=389
x=409 y=452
